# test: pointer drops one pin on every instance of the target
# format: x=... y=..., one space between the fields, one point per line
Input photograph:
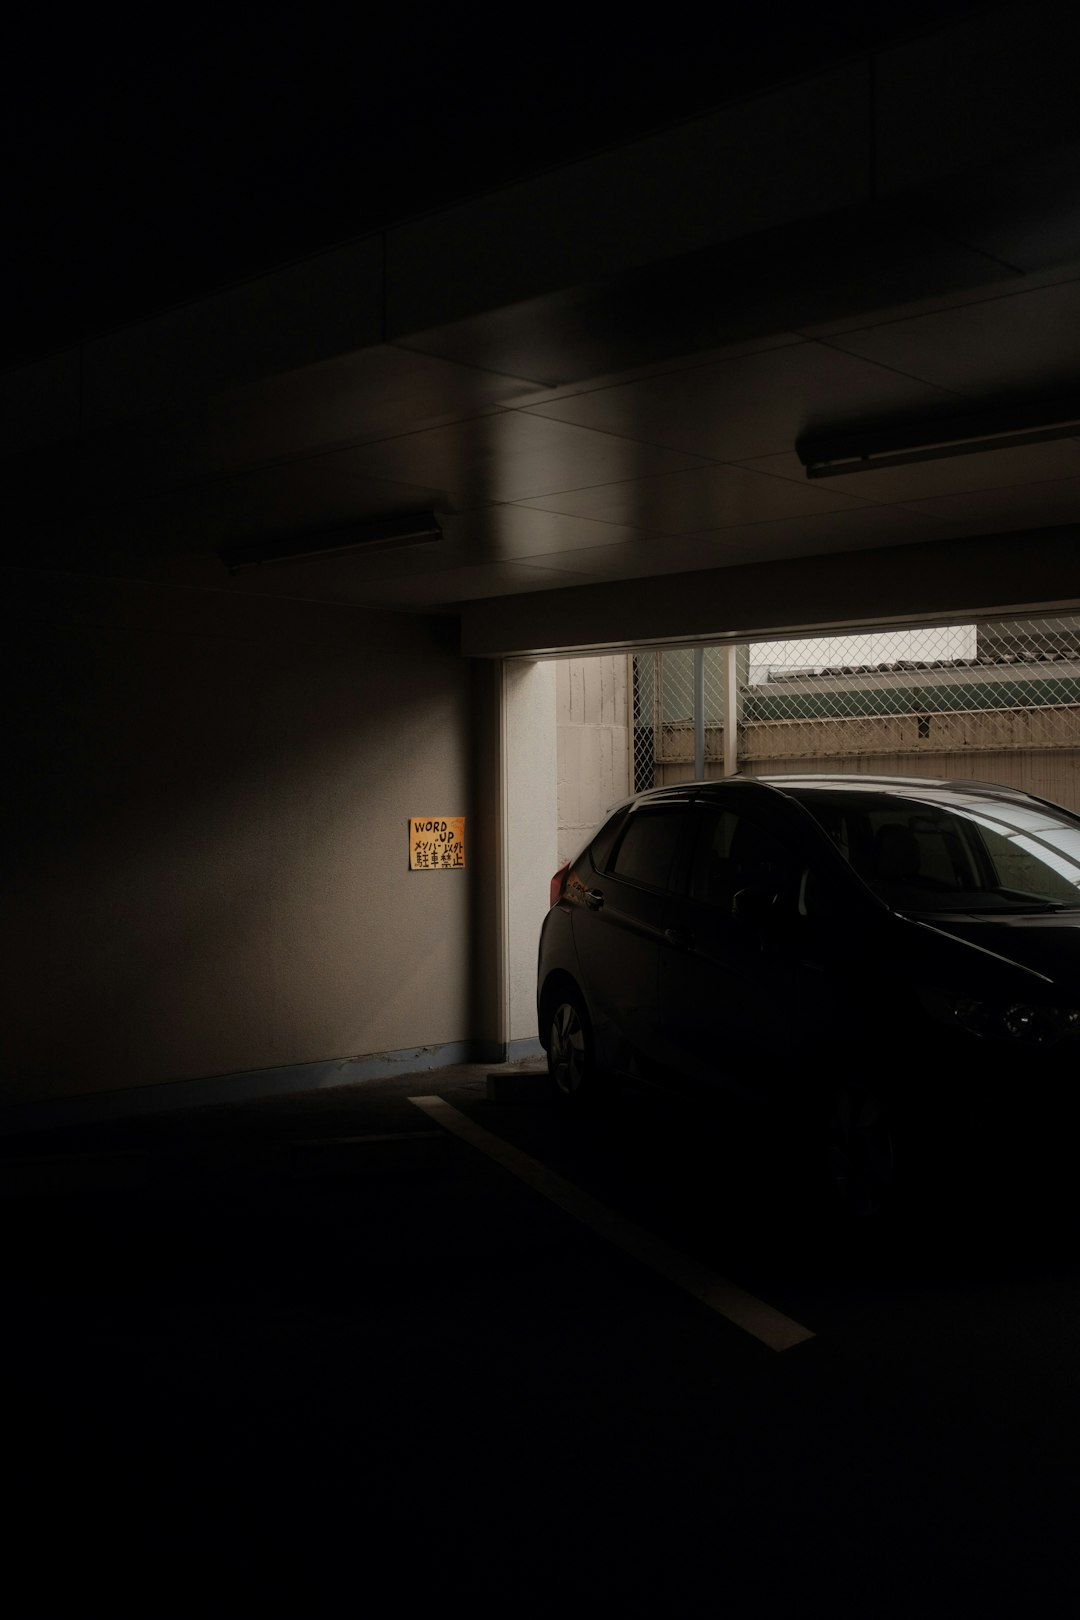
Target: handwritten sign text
x=436 y=843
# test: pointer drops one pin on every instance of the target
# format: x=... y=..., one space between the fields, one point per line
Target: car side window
x=712 y=875
x=649 y=844
x=734 y=852
x=602 y=844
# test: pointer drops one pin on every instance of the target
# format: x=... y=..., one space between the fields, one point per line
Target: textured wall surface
x=530 y=809
x=207 y=809
x=593 y=739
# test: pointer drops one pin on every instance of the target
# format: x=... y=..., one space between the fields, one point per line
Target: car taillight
x=558 y=883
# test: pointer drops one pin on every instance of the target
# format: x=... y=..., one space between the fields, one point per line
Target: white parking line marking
x=748 y=1312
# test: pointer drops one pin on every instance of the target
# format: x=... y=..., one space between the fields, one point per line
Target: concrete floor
x=255 y=1367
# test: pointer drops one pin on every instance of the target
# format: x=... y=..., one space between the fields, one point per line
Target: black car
x=883 y=959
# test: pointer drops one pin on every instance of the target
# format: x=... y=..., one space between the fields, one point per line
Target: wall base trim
x=519 y=1051
x=250 y=1085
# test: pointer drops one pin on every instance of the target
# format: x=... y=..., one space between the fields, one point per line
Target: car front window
x=974 y=855
x=1044 y=860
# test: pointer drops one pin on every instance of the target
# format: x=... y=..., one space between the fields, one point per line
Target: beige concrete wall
x=593 y=696
x=530 y=811
x=999 y=731
x=207 y=802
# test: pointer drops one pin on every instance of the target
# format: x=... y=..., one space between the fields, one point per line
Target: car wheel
x=571 y=1063
x=860 y=1152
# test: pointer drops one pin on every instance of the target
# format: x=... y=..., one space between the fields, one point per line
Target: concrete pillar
x=530 y=835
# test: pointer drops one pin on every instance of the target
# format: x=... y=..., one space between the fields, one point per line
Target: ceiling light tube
x=863 y=450
x=381 y=534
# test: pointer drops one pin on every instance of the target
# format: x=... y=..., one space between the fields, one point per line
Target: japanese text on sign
x=436 y=843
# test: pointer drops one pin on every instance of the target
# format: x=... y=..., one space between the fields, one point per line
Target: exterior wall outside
x=997 y=700
x=971 y=734
x=208 y=801
x=593 y=726
x=593 y=749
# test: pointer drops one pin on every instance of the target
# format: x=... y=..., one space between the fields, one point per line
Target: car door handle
x=594 y=899
x=678 y=937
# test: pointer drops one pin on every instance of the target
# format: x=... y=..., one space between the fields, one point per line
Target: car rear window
x=604 y=842
x=647 y=849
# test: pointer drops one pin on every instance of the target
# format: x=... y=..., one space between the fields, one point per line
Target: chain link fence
x=938 y=689
x=664 y=712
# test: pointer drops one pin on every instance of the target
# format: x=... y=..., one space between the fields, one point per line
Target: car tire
x=860 y=1152
x=571 y=1052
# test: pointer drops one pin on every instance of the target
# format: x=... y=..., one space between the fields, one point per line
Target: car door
x=619 y=928
x=742 y=979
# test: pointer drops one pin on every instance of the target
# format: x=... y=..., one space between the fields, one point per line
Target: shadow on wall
x=210 y=829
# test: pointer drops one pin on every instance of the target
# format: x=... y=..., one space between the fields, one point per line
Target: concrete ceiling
x=142 y=171
x=581 y=414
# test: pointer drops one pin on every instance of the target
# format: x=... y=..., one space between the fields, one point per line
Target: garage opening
x=995 y=700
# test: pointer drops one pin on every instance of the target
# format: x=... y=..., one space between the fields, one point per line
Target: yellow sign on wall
x=436 y=843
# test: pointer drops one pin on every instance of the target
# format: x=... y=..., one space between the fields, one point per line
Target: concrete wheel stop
x=519 y=1082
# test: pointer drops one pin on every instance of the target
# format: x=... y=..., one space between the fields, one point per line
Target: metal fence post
x=731 y=710
x=699 y=713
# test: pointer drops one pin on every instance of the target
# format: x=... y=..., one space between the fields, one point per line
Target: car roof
x=939 y=787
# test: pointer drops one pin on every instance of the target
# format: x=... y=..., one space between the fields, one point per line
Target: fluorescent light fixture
x=861 y=450
x=380 y=534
